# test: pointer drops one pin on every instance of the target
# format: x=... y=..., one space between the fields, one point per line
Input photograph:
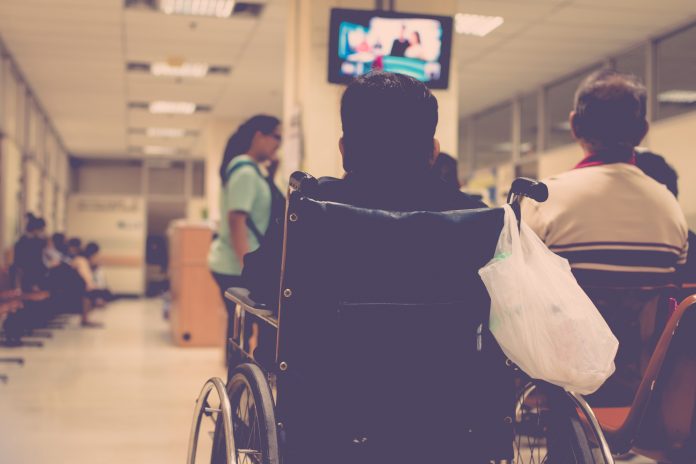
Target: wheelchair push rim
x=255 y=438
x=546 y=420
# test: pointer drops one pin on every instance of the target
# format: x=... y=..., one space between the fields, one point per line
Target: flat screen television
x=412 y=44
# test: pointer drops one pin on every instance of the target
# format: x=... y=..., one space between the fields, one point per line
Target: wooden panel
x=197 y=316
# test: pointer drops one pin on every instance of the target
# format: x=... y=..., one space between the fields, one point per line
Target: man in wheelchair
x=388 y=148
x=379 y=350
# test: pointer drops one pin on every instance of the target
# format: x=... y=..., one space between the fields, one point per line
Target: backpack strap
x=250 y=224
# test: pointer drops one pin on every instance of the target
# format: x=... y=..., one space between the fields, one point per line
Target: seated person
x=622 y=232
x=657 y=167
x=83 y=265
x=388 y=148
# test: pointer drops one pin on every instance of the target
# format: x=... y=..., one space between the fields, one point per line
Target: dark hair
x=90 y=250
x=74 y=243
x=34 y=223
x=58 y=240
x=610 y=113
x=240 y=142
x=417 y=36
x=389 y=122
x=445 y=167
x=656 y=166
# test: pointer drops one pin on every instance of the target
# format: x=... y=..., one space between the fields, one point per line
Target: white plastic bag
x=541 y=318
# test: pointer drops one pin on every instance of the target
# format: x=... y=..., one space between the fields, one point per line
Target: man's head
x=655 y=166
x=609 y=118
x=74 y=246
x=389 y=123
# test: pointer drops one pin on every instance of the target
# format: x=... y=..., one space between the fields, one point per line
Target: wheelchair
x=380 y=351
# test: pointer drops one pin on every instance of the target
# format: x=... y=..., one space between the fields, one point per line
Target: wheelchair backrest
x=377 y=306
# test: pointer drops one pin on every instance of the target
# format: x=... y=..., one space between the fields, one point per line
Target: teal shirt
x=246 y=191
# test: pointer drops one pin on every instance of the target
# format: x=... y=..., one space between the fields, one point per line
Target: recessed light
x=172 y=107
x=162 y=68
x=477 y=25
x=165 y=132
x=159 y=150
x=216 y=8
x=680 y=97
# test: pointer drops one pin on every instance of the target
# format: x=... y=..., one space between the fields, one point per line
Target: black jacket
x=261 y=273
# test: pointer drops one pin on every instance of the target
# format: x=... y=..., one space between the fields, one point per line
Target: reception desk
x=197 y=314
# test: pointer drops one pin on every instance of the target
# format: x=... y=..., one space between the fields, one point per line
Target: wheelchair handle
x=302 y=182
x=524 y=187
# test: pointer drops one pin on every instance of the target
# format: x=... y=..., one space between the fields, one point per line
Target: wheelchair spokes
x=530 y=427
x=550 y=429
x=247 y=433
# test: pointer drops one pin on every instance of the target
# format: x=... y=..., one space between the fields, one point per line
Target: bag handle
x=511 y=231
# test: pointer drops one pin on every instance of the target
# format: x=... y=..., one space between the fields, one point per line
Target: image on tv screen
x=415 y=45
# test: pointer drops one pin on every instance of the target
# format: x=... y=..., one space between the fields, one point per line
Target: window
x=198 y=182
x=493 y=137
x=529 y=127
x=108 y=177
x=676 y=73
x=166 y=177
x=633 y=62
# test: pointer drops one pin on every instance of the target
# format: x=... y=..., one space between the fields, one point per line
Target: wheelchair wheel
x=550 y=429
x=253 y=420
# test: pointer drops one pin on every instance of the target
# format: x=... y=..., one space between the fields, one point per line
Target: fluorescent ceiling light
x=162 y=68
x=158 y=150
x=172 y=107
x=682 y=97
x=217 y=8
x=477 y=25
x=165 y=132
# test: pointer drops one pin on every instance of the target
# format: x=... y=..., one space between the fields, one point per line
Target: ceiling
x=543 y=40
x=74 y=54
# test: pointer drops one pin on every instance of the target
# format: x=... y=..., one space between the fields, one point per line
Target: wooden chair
x=661 y=422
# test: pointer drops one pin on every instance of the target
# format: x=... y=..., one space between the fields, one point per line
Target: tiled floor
x=121 y=394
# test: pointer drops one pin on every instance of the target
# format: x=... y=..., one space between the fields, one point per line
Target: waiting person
x=83 y=265
x=445 y=167
x=29 y=267
x=388 y=148
x=246 y=201
x=74 y=248
x=657 y=167
x=623 y=233
x=29 y=275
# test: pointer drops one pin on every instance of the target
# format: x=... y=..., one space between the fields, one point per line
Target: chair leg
x=587 y=410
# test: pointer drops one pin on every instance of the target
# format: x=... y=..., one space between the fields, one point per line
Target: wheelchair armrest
x=241 y=297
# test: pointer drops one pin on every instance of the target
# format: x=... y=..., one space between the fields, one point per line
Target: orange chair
x=661 y=422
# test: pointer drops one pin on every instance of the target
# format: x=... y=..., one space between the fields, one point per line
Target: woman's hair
x=90 y=250
x=34 y=223
x=417 y=36
x=240 y=142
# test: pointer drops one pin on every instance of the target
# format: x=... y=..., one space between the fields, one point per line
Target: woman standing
x=246 y=200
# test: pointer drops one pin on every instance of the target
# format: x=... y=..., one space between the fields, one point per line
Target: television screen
x=411 y=44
